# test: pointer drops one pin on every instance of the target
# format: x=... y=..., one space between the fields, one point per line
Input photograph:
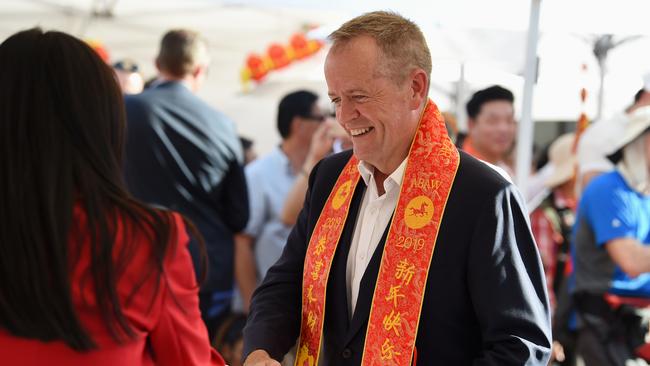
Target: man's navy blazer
x=485 y=300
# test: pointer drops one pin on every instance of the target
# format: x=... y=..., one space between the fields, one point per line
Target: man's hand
x=557 y=353
x=245 y=269
x=260 y=358
x=321 y=145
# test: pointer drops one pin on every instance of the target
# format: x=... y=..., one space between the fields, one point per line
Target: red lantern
x=313 y=46
x=257 y=67
x=278 y=55
x=300 y=46
x=99 y=48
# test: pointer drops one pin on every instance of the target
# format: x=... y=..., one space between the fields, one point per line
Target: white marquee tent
x=489 y=38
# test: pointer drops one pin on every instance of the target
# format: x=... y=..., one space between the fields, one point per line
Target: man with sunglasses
x=269 y=180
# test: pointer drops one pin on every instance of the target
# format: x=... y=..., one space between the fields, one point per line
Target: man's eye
x=360 y=98
x=336 y=101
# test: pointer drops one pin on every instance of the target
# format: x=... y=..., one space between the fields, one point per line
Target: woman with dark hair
x=88 y=275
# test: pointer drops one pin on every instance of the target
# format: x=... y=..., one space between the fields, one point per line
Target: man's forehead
x=348 y=78
x=497 y=107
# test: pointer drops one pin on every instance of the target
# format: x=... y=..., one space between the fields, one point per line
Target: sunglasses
x=317 y=117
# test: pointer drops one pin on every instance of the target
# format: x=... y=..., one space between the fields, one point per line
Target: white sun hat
x=563 y=159
x=635 y=125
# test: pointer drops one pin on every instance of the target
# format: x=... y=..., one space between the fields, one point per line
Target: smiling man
x=406 y=251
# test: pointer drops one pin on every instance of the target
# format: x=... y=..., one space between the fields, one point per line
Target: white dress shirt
x=373 y=217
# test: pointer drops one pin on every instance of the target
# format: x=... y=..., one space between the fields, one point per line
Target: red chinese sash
x=399 y=289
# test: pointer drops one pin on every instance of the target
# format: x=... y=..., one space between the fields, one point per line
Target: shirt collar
x=393 y=180
x=283 y=159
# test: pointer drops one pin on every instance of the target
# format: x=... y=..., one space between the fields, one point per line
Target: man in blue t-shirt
x=612 y=243
x=613 y=238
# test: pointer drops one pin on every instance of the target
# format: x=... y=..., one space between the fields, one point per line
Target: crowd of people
x=139 y=228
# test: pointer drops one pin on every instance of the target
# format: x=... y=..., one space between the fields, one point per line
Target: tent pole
x=461 y=96
x=525 y=130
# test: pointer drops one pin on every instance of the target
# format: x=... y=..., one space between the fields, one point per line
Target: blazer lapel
x=337 y=298
x=366 y=290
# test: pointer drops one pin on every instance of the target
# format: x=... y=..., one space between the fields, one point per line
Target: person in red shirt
x=88 y=275
x=551 y=223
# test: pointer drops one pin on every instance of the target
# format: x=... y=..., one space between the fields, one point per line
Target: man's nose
x=347 y=112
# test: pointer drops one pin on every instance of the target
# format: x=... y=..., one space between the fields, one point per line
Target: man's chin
x=361 y=154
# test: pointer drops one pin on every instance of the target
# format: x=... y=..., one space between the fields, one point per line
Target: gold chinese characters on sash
x=406 y=258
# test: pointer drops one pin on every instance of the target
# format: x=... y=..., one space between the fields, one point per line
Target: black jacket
x=485 y=300
x=183 y=155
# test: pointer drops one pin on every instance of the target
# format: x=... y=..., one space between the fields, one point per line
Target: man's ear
x=294 y=126
x=419 y=88
x=199 y=71
x=471 y=122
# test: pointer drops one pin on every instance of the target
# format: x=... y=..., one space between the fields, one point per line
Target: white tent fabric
x=488 y=37
x=232 y=32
